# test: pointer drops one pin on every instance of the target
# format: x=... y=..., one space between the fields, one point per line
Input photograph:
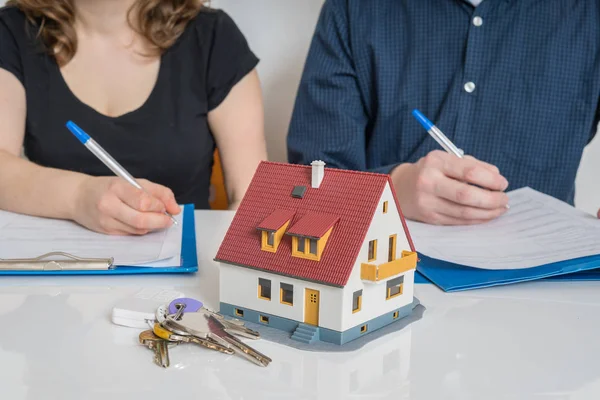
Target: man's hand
x=443 y=189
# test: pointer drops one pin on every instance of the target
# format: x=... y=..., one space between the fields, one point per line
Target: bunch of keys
x=158 y=345
x=187 y=321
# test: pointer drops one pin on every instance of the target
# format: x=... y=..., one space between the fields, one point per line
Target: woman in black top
x=156 y=82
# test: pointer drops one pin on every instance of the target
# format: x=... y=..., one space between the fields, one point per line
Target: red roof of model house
x=344 y=200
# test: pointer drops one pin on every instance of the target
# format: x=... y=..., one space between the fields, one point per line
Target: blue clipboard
x=453 y=277
x=189 y=258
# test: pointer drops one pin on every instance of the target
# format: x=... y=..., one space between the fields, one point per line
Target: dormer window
x=273 y=228
x=307 y=247
x=270 y=238
x=310 y=235
x=313 y=246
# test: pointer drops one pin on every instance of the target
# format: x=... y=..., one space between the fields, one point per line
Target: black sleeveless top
x=167 y=140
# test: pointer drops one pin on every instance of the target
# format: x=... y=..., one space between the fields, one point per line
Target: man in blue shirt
x=514 y=83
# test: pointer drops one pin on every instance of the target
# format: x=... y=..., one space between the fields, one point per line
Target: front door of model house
x=311 y=307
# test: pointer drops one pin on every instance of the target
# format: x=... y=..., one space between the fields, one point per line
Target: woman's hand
x=442 y=189
x=111 y=205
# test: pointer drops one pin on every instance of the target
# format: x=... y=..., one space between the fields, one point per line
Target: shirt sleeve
x=10 y=59
x=230 y=60
x=595 y=126
x=329 y=121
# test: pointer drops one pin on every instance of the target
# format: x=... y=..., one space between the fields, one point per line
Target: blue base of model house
x=308 y=333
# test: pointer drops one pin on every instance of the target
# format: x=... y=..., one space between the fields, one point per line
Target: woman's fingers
x=164 y=194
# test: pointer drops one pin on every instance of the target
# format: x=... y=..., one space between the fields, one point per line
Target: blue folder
x=420 y=279
x=188 y=264
x=453 y=277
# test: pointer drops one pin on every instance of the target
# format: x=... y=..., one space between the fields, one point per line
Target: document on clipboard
x=539 y=237
x=40 y=244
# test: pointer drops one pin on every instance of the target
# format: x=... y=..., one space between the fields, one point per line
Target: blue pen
x=103 y=156
x=437 y=134
x=439 y=137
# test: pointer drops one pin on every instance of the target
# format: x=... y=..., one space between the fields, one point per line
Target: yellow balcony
x=376 y=273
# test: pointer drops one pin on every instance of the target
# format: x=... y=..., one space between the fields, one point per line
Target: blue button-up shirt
x=512 y=82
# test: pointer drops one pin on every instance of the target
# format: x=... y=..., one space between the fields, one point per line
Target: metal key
x=204 y=324
x=167 y=334
x=158 y=345
x=235 y=326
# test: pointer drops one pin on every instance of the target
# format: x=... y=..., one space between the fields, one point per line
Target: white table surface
x=529 y=341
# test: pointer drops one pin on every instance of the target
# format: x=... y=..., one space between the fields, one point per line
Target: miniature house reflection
x=380 y=367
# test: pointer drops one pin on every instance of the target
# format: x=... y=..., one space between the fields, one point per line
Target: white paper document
x=536 y=230
x=23 y=236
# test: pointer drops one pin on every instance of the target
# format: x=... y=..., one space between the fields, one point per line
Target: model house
x=324 y=254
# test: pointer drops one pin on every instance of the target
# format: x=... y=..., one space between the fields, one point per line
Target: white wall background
x=279 y=32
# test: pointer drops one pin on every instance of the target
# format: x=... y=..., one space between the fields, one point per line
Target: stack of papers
x=23 y=236
x=538 y=237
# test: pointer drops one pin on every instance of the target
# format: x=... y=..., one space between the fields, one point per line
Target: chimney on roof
x=318 y=172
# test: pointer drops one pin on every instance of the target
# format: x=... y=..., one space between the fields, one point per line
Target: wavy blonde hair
x=160 y=22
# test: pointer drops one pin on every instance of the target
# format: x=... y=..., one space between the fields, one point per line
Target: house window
x=310 y=248
x=357 y=301
x=305 y=248
x=392 y=248
x=286 y=294
x=385 y=207
x=394 y=287
x=270 y=239
x=301 y=244
x=264 y=289
x=372 y=250
x=238 y=312
x=313 y=246
x=364 y=328
x=395 y=315
x=264 y=319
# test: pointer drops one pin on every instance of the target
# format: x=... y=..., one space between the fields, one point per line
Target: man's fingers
x=453 y=210
x=489 y=166
x=474 y=172
x=469 y=195
x=164 y=194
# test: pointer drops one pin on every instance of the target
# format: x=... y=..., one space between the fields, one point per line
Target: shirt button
x=477 y=21
x=469 y=87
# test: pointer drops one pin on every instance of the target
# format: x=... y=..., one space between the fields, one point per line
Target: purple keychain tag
x=190 y=305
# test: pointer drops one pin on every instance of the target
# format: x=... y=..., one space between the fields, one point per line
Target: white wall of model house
x=374 y=302
x=239 y=285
